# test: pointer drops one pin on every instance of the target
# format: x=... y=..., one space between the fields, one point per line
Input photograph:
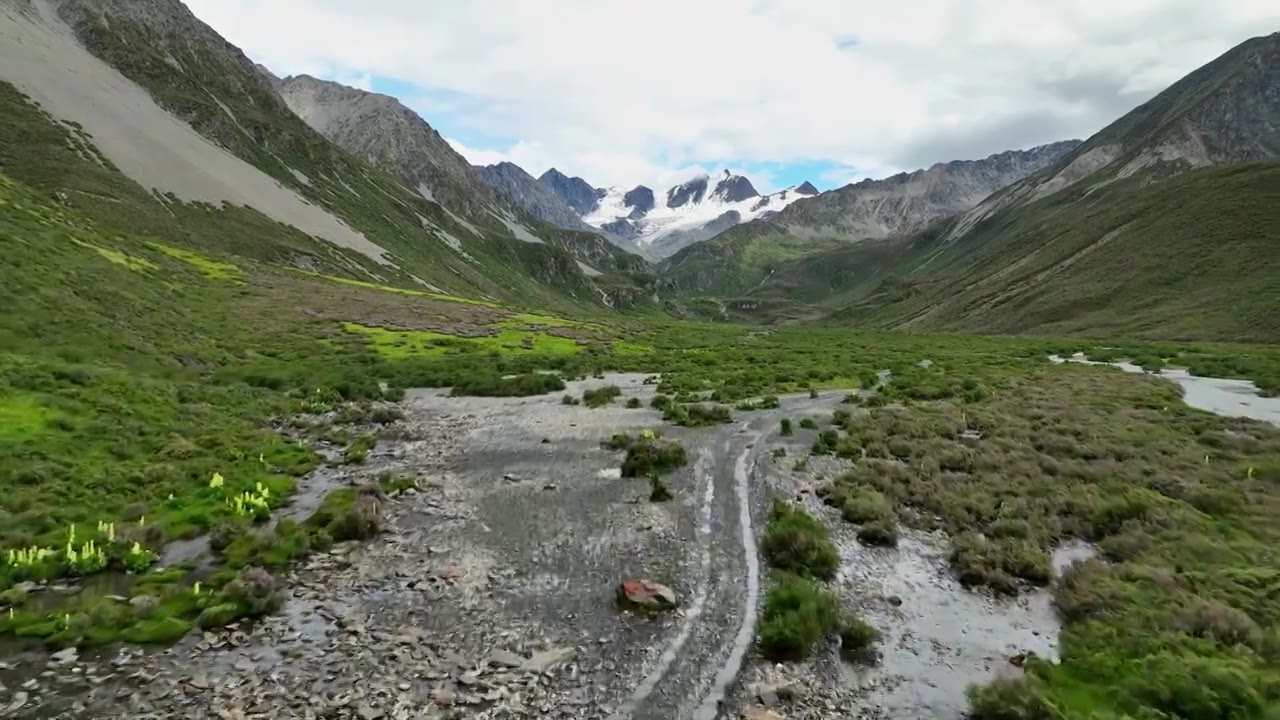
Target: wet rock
x=144 y=603
x=19 y=701
x=546 y=660
x=895 y=601
x=64 y=656
x=505 y=659
x=646 y=595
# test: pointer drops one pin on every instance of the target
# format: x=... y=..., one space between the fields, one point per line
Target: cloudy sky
x=624 y=92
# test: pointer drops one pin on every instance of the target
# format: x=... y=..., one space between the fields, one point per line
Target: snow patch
x=588 y=270
x=453 y=242
x=520 y=231
x=299 y=176
x=42 y=58
x=662 y=221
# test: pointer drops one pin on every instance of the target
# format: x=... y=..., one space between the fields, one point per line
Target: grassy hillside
x=737 y=260
x=1192 y=256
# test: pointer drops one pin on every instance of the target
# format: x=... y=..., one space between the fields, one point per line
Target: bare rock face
x=522 y=189
x=381 y=130
x=572 y=191
x=907 y=202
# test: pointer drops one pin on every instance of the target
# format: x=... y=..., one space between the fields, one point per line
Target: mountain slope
x=160 y=99
x=1156 y=226
x=521 y=188
x=897 y=205
x=1224 y=112
x=389 y=135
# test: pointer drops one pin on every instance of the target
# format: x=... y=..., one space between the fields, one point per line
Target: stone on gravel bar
x=505 y=659
x=646 y=595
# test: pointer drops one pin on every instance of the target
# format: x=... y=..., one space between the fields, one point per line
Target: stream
x=1220 y=396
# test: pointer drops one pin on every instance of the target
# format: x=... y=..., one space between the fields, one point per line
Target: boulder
x=646 y=595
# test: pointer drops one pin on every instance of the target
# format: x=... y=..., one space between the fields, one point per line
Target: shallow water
x=941 y=638
x=1221 y=396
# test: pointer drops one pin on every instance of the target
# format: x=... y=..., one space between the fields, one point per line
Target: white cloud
x=621 y=92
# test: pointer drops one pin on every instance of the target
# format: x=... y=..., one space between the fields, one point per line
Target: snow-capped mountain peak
x=688 y=212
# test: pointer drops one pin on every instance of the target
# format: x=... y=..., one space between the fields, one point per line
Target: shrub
x=650 y=457
x=787 y=430
x=1011 y=699
x=361 y=521
x=796 y=542
x=698 y=415
x=226 y=531
x=862 y=505
x=797 y=614
x=779 y=452
x=978 y=560
x=385 y=415
x=808 y=424
x=254 y=591
x=634 y=403
x=826 y=442
x=658 y=490
x=882 y=532
x=570 y=400
x=494 y=385
x=599 y=397
x=857 y=636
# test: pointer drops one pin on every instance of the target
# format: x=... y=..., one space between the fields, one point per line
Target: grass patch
x=210 y=268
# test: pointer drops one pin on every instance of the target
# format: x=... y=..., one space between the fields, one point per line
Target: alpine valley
x=303 y=414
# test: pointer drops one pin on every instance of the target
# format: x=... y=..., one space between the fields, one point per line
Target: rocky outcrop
x=572 y=191
x=640 y=199
x=734 y=188
x=518 y=186
x=908 y=202
x=687 y=193
x=381 y=130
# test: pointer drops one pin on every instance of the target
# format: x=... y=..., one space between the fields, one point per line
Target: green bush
x=808 y=423
x=599 y=397
x=797 y=614
x=652 y=457
x=787 y=430
x=857 y=636
x=495 y=385
x=634 y=403
x=254 y=591
x=796 y=542
x=697 y=415
x=882 y=532
x=658 y=490
x=1012 y=699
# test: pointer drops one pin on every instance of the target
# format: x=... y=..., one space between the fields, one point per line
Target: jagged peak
x=806 y=188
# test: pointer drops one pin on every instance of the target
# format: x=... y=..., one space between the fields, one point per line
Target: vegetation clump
x=786 y=430
x=798 y=543
x=797 y=613
x=599 y=397
x=858 y=637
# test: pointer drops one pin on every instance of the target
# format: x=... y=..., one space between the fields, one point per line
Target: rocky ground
x=490 y=594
